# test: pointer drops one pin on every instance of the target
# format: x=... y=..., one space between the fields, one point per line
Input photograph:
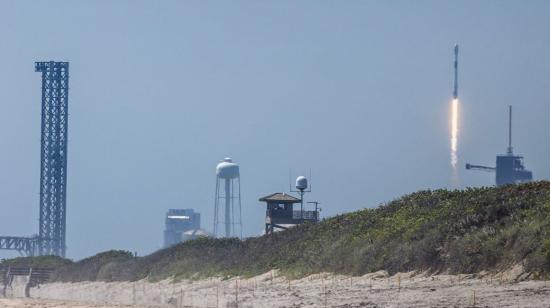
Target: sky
x=358 y=92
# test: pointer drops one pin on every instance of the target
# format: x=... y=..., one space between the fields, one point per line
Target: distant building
x=177 y=222
x=280 y=213
x=195 y=234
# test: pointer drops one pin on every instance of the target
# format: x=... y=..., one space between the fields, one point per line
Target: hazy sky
x=356 y=91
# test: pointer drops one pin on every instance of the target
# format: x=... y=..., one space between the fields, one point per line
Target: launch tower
x=53 y=166
x=53 y=157
x=509 y=167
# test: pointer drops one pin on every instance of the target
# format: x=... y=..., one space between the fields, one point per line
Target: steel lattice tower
x=53 y=160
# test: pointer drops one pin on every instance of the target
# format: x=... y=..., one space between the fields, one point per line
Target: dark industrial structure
x=53 y=166
x=177 y=222
x=24 y=245
x=280 y=213
x=509 y=167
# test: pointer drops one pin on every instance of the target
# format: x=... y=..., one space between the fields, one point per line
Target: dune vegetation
x=460 y=231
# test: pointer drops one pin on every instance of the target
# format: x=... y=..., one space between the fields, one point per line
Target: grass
x=456 y=231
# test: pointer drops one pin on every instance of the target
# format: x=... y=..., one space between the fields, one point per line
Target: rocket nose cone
x=456 y=48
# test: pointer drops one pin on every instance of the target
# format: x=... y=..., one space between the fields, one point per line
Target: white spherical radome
x=301 y=183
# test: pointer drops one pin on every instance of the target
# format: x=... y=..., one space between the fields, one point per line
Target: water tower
x=228 y=173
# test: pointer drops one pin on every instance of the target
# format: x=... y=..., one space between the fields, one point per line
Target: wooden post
x=237 y=293
x=218 y=295
x=398 y=283
x=325 y=297
x=324 y=290
x=133 y=293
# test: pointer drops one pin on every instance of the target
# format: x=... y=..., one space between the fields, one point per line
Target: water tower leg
x=216 y=207
x=240 y=211
x=228 y=207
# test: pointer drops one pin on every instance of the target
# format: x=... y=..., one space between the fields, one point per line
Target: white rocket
x=455 y=90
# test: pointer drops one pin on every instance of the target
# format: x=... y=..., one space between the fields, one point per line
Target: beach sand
x=319 y=290
x=38 y=303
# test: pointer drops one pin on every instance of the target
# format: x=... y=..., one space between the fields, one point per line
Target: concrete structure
x=177 y=222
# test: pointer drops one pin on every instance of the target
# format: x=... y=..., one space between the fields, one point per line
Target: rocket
x=455 y=89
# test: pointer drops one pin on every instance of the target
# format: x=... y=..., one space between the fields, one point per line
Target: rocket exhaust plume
x=454 y=118
x=454 y=132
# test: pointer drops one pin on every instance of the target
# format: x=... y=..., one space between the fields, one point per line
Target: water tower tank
x=227 y=169
x=301 y=183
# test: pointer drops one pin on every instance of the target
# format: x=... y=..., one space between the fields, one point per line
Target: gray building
x=509 y=167
x=177 y=222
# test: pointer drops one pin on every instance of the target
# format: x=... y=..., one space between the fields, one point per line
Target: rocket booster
x=455 y=89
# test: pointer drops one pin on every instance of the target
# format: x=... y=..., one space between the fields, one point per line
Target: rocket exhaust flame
x=454 y=133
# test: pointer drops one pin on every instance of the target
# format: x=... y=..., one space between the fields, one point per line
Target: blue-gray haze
x=356 y=91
